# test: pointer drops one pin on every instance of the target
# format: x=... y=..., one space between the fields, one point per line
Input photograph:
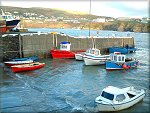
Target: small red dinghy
x=27 y=67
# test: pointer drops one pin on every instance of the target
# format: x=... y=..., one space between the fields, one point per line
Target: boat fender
x=135 y=65
x=138 y=63
x=124 y=66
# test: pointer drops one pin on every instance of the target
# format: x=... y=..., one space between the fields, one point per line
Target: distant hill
x=116 y=25
x=48 y=12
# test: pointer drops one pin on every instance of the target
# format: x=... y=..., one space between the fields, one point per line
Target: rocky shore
x=114 y=26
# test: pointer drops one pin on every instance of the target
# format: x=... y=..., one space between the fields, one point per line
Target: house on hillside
x=129 y=19
x=104 y=19
x=99 y=20
x=123 y=18
x=145 y=20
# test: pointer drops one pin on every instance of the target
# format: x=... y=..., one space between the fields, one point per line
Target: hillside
x=55 y=18
x=46 y=12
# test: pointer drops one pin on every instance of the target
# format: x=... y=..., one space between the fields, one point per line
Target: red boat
x=63 y=52
x=11 y=63
x=7 y=22
x=27 y=67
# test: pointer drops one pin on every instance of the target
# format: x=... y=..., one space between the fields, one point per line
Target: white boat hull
x=121 y=106
x=10 y=63
x=79 y=56
x=89 y=61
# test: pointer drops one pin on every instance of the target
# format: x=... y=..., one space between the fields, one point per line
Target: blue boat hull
x=111 y=65
x=34 y=58
x=131 y=49
x=122 y=50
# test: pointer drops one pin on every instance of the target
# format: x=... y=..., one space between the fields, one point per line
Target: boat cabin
x=6 y=17
x=93 y=51
x=65 y=46
x=117 y=57
x=115 y=95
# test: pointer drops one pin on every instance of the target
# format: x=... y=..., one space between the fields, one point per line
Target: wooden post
x=20 y=46
x=122 y=42
x=56 y=40
x=133 y=42
x=53 y=41
x=67 y=38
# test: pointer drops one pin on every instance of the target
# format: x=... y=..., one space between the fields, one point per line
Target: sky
x=111 y=8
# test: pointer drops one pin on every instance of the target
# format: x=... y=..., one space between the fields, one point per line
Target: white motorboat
x=115 y=99
x=79 y=56
x=93 y=57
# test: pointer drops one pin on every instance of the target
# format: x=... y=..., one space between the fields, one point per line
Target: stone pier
x=22 y=45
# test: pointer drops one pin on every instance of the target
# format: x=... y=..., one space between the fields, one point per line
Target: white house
x=99 y=20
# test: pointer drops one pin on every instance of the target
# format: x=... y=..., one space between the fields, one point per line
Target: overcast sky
x=112 y=8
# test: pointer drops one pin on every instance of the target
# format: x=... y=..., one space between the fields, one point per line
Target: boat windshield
x=107 y=95
x=92 y=51
x=4 y=17
x=7 y=17
x=120 y=97
x=10 y=17
x=97 y=52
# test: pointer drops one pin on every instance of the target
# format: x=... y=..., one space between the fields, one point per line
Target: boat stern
x=103 y=106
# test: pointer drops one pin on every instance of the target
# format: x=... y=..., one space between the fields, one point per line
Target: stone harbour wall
x=40 y=44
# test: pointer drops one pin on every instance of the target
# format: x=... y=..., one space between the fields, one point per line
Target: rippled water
x=67 y=85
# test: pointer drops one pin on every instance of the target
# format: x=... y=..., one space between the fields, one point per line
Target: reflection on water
x=91 y=70
x=67 y=85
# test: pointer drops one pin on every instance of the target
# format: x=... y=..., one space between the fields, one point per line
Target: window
x=4 y=17
x=123 y=58
x=119 y=58
x=88 y=51
x=96 y=52
x=115 y=58
x=92 y=51
x=64 y=46
x=130 y=95
x=120 y=97
x=10 y=17
x=111 y=57
x=107 y=95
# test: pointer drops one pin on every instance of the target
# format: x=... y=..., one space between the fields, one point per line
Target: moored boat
x=2 y=26
x=34 y=58
x=79 y=56
x=123 y=50
x=115 y=99
x=119 y=61
x=10 y=21
x=11 y=63
x=27 y=67
x=63 y=52
x=93 y=57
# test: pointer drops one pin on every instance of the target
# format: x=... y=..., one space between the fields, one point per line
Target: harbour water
x=67 y=85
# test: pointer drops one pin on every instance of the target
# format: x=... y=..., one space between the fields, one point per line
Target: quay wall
x=9 y=47
x=40 y=44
